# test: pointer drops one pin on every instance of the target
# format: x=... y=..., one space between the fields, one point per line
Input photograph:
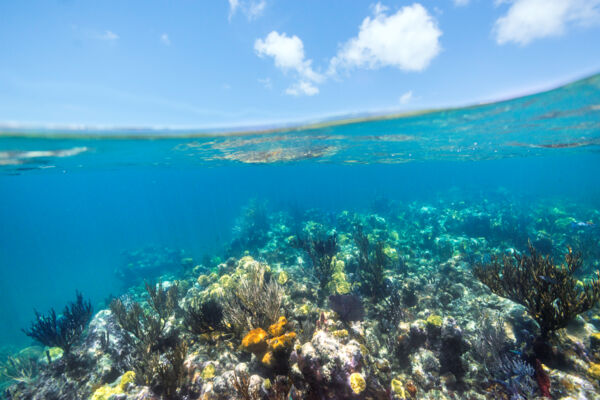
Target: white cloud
x=164 y=39
x=461 y=3
x=108 y=35
x=407 y=40
x=527 y=20
x=256 y=9
x=406 y=97
x=266 y=82
x=288 y=54
x=233 y=6
x=302 y=88
x=251 y=8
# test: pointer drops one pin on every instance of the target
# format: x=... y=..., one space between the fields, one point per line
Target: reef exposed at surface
x=404 y=301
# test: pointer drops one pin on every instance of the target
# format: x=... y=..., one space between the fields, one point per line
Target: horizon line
x=81 y=131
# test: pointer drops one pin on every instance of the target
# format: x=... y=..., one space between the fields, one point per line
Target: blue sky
x=229 y=63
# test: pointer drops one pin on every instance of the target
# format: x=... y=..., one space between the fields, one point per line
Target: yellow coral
x=398 y=388
x=435 y=321
x=255 y=341
x=282 y=342
x=226 y=281
x=282 y=278
x=267 y=384
x=55 y=353
x=338 y=282
x=208 y=372
x=304 y=309
x=277 y=328
x=357 y=383
x=342 y=287
x=267 y=359
x=203 y=280
x=105 y=392
x=127 y=379
x=391 y=253
x=594 y=370
x=342 y=333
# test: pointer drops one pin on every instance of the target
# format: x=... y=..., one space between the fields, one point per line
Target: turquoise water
x=72 y=206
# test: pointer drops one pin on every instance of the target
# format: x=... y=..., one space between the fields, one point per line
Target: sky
x=194 y=64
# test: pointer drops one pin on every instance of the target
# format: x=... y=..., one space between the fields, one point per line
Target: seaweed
x=204 y=317
x=63 y=331
x=372 y=262
x=321 y=250
x=550 y=292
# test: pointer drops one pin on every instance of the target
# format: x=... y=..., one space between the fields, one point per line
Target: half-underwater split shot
x=288 y=200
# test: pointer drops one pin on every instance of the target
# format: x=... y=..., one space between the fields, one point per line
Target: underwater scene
x=446 y=254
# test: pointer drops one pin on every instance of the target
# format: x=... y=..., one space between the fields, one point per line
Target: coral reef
x=321 y=250
x=254 y=298
x=551 y=293
x=372 y=262
x=355 y=306
x=65 y=331
x=204 y=317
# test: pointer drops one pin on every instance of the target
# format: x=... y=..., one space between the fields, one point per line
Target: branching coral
x=321 y=250
x=64 y=331
x=550 y=292
x=147 y=327
x=164 y=374
x=204 y=317
x=148 y=330
x=18 y=369
x=170 y=375
x=372 y=262
x=254 y=299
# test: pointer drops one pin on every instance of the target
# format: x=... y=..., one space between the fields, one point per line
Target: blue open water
x=70 y=206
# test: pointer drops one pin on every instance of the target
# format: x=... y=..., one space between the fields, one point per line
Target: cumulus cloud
x=407 y=40
x=527 y=20
x=164 y=39
x=288 y=55
x=251 y=8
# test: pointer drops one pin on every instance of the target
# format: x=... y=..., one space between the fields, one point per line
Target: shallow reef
x=452 y=299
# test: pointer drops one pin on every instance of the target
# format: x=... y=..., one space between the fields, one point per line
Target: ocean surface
x=74 y=205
